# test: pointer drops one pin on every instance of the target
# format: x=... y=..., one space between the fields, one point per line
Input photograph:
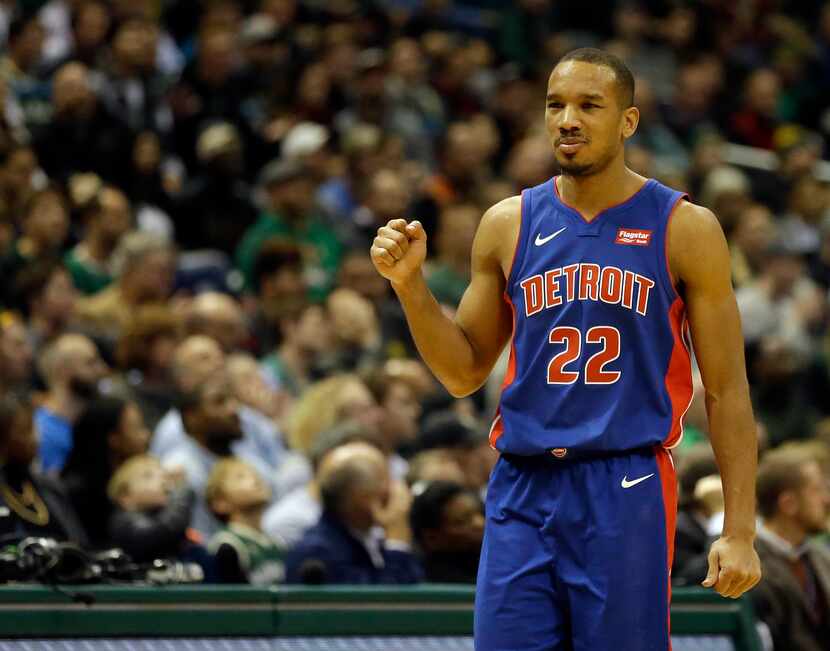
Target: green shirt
x=260 y=558
x=691 y=437
x=446 y=284
x=86 y=278
x=319 y=244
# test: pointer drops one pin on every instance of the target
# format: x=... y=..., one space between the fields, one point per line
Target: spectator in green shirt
x=289 y=215
x=106 y=217
x=237 y=495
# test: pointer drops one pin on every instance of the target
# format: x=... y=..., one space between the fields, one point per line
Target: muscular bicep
x=700 y=261
x=483 y=315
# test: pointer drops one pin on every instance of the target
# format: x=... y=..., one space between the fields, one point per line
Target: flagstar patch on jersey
x=634 y=237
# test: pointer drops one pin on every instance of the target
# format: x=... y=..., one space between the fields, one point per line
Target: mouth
x=570 y=145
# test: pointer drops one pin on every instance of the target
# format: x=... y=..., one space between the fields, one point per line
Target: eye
x=555 y=105
x=589 y=105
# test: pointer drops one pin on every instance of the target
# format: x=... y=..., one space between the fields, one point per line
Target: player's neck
x=592 y=194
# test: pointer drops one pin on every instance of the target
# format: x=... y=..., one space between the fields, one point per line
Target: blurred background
x=197 y=359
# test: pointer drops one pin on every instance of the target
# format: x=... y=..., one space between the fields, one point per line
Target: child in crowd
x=152 y=513
x=237 y=495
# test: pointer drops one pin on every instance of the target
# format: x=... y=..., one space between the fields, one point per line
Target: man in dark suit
x=363 y=536
x=793 y=598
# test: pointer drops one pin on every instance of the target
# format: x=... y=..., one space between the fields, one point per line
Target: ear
x=631 y=118
x=788 y=503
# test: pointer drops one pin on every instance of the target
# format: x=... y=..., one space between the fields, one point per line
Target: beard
x=83 y=389
x=569 y=167
x=219 y=441
x=576 y=169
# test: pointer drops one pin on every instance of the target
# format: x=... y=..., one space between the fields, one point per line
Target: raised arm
x=460 y=352
x=699 y=259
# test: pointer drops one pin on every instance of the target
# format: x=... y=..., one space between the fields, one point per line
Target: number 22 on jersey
x=607 y=338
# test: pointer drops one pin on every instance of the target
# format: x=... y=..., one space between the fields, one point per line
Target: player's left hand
x=734 y=567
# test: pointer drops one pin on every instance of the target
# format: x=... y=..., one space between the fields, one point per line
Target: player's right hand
x=399 y=250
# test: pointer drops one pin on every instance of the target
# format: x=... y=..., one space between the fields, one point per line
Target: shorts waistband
x=560 y=456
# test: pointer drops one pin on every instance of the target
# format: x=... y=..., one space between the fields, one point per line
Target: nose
x=569 y=120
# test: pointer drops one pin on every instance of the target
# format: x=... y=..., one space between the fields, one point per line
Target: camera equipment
x=59 y=563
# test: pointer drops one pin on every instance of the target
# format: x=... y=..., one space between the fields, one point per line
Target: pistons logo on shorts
x=633 y=237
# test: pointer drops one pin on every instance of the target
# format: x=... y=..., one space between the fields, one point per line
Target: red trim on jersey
x=497 y=427
x=682 y=197
x=611 y=207
x=518 y=240
x=679 y=374
x=668 y=480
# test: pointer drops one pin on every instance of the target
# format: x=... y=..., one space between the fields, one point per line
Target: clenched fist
x=399 y=250
x=734 y=567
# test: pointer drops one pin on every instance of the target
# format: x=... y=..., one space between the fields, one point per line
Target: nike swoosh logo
x=544 y=240
x=628 y=484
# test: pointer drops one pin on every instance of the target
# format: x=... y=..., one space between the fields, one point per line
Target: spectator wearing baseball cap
x=290 y=215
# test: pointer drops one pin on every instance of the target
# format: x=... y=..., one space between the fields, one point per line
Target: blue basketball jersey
x=599 y=360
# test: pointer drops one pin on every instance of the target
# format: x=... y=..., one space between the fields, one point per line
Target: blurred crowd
x=197 y=359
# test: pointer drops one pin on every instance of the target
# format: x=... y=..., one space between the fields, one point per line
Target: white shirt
x=261 y=446
x=287 y=520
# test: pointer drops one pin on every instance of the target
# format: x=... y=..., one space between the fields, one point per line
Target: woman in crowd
x=109 y=432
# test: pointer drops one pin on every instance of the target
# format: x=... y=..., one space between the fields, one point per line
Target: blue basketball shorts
x=577 y=554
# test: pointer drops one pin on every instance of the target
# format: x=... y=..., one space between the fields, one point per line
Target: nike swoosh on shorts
x=628 y=484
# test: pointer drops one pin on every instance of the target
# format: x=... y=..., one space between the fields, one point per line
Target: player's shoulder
x=499 y=227
x=501 y=219
x=696 y=241
x=692 y=222
x=503 y=214
x=688 y=215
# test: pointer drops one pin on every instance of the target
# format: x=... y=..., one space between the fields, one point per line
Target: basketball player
x=599 y=275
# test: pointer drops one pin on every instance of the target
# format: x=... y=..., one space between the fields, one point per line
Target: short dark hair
x=427 y=511
x=781 y=470
x=625 y=80
x=32 y=280
x=19 y=24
